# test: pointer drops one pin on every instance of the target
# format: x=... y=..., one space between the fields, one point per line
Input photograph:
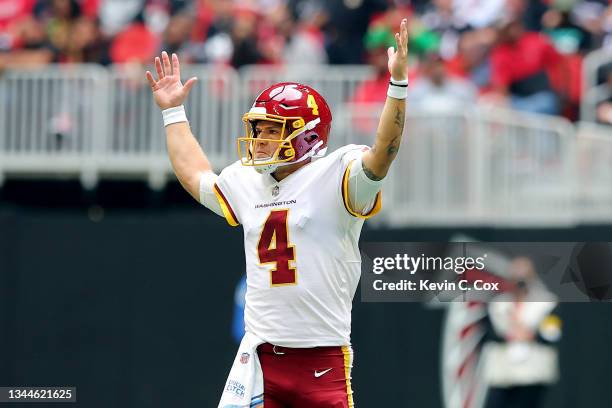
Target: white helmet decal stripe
x=311 y=125
x=260 y=110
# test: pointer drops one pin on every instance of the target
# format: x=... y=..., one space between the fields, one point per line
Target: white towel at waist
x=244 y=385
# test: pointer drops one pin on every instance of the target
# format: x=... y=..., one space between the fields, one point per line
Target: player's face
x=267 y=132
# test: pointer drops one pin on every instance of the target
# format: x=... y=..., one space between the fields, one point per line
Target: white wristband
x=174 y=115
x=398 y=89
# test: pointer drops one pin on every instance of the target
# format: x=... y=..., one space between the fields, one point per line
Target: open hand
x=168 y=91
x=398 y=59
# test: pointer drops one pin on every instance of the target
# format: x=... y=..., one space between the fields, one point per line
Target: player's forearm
x=376 y=161
x=187 y=157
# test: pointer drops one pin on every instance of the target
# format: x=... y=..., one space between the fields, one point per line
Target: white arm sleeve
x=361 y=190
x=208 y=198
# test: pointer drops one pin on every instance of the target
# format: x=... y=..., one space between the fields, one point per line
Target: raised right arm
x=187 y=157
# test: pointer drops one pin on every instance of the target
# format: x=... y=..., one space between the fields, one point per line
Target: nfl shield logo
x=275 y=191
x=244 y=358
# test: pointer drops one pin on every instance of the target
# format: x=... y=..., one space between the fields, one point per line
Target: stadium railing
x=476 y=166
x=592 y=91
x=51 y=119
x=134 y=143
x=469 y=166
x=593 y=175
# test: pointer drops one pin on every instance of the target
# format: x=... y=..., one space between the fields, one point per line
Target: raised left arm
x=378 y=159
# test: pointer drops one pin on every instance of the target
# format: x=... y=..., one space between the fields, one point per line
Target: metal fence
x=475 y=166
x=593 y=172
x=50 y=120
x=594 y=92
x=480 y=166
x=134 y=142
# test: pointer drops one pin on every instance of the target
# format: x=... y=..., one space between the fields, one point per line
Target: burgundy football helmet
x=305 y=118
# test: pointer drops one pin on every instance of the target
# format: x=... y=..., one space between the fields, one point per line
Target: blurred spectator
x=436 y=90
x=519 y=65
x=419 y=6
x=116 y=15
x=506 y=48
x=372 y=93
x=58 y=17
x=472 y=60
x=87 y=45
x=604 y=110
x=377 y=41
x=303 y=41
x=13 y=13
x=34 y=47
x=479 y=13
x=213 y=17
x=244 y=39
x=567 y=36
x=177 y=37
x=347 y=22
x=213 y=27
x=180 y=6
x=606 y=26
x=590 y=15
x=531 y=11
x=520 y=356
x=136 y=43
x=441 y=19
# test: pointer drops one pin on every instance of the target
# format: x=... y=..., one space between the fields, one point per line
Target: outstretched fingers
x=151 y=80
x=166 y=61
x=404 y=36
x=190 y=83
x=398 y=43
x=176 y=66
x=158 y=69
x=401 y=39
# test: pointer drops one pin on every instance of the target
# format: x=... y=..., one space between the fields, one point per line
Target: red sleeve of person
x=521 y=59
x=13 y=13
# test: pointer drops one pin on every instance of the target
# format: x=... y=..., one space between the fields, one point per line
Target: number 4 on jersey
x=274 y=247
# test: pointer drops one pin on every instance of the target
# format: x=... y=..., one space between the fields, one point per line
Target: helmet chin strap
x=266 y=168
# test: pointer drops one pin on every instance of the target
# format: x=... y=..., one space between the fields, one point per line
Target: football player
x=301 y=211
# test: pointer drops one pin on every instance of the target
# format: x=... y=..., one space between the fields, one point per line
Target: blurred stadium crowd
x=525 y=54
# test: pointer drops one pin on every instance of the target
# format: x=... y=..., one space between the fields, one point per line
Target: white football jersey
x=301 y=248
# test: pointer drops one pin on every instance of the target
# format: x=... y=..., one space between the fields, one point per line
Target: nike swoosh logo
x=321 y=373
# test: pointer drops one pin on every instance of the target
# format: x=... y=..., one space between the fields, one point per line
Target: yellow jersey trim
x=377 y=204
x=229 y=214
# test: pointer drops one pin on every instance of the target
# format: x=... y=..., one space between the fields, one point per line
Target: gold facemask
x=284 y=152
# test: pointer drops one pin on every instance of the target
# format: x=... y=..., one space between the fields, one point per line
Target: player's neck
x=284 y=171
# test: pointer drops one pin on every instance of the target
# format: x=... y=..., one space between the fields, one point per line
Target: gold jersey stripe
x=377 y=204
x=229 y=214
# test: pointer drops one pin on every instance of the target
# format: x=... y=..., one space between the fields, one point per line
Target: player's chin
x=262 y=156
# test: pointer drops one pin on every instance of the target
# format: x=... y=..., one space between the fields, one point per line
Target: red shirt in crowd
x=513 y=62
x=134 y=44
x=11 y=11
